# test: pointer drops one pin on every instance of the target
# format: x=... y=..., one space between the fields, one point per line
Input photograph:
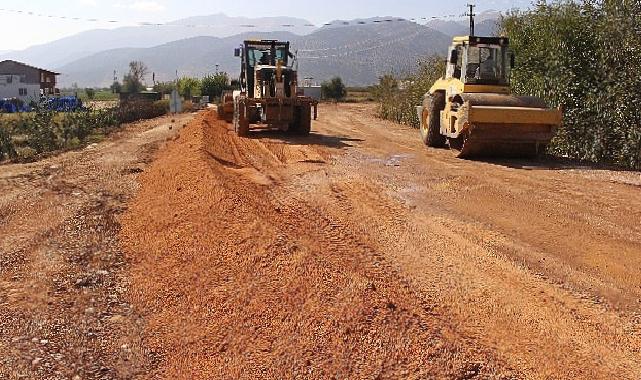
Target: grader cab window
x=263 y=56
x=255 y=56
x=488 y=65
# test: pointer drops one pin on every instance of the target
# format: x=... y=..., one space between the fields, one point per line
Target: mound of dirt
x=238 y=280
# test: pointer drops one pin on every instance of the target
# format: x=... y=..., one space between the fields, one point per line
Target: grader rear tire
x=241 y=124
x=302 y=124
x=431 y=121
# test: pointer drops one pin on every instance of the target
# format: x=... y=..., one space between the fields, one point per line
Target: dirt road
x=63 y=314
x=356 y=253
x=353 y=253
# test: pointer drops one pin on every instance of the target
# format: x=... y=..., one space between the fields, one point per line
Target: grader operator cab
x=472 y=111
x=269 y=90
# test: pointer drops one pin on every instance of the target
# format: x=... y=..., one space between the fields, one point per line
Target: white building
x=25 y=82
x=311 y=91
x=15 y=86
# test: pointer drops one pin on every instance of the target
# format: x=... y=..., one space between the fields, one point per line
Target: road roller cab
x=472 y=111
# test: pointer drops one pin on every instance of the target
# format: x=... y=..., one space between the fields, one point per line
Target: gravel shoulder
x=63 y=314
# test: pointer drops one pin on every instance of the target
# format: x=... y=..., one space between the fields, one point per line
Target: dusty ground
x=353 y=253
x=63 y=314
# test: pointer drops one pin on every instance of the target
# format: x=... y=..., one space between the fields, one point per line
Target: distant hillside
x=66 y=50
x=359 y=54
x=190 y=57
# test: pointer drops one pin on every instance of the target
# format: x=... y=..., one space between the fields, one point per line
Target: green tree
x=334 y=89
x=214 y=85
x=116 y=87
x=188 y=87
x=165 y=87
x=133 y=81
x=586 y=57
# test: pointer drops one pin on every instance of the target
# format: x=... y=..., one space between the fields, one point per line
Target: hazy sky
x=32 y=30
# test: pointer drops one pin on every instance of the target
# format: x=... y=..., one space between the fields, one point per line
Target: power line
x=343 y=47
x=378 y=20
x=351 y=52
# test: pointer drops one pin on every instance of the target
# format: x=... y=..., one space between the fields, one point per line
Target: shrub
x=188 y=106
x=586 y=57
x=334 y=89
x=398 y=98
x=7 y=148
x=37 y=127
x=28 y=135
x=129 y=112
x=214 y=85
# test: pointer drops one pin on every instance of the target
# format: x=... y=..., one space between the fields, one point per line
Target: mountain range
x=359 y=51
x=66 y=50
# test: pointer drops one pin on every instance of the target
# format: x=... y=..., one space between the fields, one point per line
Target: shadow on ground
x=550 y=163
x=314 y=138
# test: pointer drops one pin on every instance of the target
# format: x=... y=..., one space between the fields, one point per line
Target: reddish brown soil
x=357 y=253
x=352 y=253
x=63 y=314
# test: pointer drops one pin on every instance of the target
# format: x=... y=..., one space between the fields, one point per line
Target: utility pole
x=217 y=65
x=471 y=14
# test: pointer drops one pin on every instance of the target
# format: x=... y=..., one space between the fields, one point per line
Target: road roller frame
x=472 y=111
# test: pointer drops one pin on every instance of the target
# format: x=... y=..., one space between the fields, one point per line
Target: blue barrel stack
x=61 y=104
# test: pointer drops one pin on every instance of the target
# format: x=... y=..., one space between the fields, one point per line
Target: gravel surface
x=63 y=314
x=357 y=253
x=354 y=253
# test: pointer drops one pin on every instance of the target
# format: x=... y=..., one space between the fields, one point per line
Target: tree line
x=586 y=57
x=212 y=85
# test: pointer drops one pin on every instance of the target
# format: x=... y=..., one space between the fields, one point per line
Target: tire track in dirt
x=241 y=280
x=545 y=324
x=356 y=253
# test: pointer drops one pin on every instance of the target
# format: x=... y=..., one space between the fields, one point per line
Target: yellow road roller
x=472 y=111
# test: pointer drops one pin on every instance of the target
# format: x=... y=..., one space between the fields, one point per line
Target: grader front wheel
x=302 y=124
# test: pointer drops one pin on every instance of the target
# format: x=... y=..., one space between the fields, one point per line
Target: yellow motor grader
x=472 y=111
x=269 y=93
